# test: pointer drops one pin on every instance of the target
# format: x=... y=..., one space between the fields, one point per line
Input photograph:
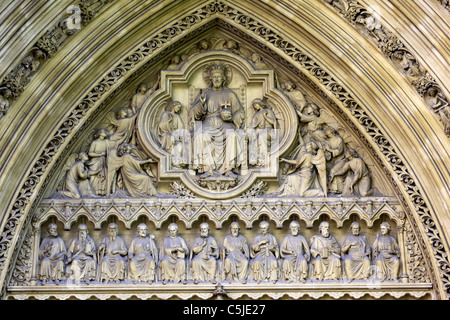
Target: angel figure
x=308 y=177
x=120 y=125
x=128 y=168
x=142 y=93
x=261 y=136
x=98 y=153
x=295 y=96
x=172 y=135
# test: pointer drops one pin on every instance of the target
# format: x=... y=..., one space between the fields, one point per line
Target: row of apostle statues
x=143 y=261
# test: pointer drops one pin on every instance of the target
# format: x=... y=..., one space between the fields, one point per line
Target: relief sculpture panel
x=219 y=139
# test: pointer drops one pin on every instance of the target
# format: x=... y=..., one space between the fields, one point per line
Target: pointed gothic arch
x=112 y=55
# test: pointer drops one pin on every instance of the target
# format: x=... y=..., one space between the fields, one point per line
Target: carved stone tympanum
x=221 y=136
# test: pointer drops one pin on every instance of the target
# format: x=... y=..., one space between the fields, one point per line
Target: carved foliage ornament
x=77 y=16
x=393 y=48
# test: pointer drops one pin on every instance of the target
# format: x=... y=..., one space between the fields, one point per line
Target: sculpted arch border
x=338 y=94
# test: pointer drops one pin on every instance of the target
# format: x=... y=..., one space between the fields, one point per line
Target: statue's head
x=385 y=228
x=234 y=229
x=142 y=230
x=355 y=227
x=264 y=227
x=258 y=104
x=113 y=230
x=52 y=229
x=204 y=229
x=294 y=226
x=324 y=228
x=173 y=230
x=142 y=88
x=217 y=75
x=82 y=230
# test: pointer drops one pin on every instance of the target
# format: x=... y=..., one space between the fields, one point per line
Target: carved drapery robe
x=174 y=138
x=84 y=262
x=76 y=183
x=173 y=264
x=326 y=258
x=217 y=143
x=144 y=258
x=264 y=263
x=263 y=124
x=356 y=257
x=51 y=255
x=358 y=179
x=237 y=253
x=133 y=178
x=304 y=182
x=112 y=266
x=293 y=250
x=336 y=147
x=204 y=263
x=386 y=251
x=122 y=129
x=98 y=152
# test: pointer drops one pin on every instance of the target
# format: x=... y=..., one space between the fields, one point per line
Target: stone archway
x=236 y=19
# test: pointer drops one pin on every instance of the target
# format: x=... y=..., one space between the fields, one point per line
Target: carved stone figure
x=308 y=177
x=356 y=255
x=205 y=252
x=52 y=252
x=294 y=250
x=358 y=178
x=173 y=136
x=4 y=101
x=120 y=125
x=142 y=256
x=218 y=148
x=174 y=63
x=264 y=253
x=236 y=253
x=326 y=255
x=112 y=256
x=386 y=253
x=134 y=180
x=295 y=96
x=76 y=182
x=408 y=63
x=258 y=62
x=173 y=255
x=142 y=93
x=334 y=147
x=312 y=122
x=98 y=153
x=260 y=140
x=436 y=99
x=82 y=258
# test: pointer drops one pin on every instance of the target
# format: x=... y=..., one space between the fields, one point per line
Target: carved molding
x=77 y=16
x=232 y=291
x=249 y=210
x=21 y=206
x=396 y=51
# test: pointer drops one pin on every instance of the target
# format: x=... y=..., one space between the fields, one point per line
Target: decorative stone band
x=279 y=210
x=232 y=291
x=77 y=16
x=395 y=50
x=22 y=204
